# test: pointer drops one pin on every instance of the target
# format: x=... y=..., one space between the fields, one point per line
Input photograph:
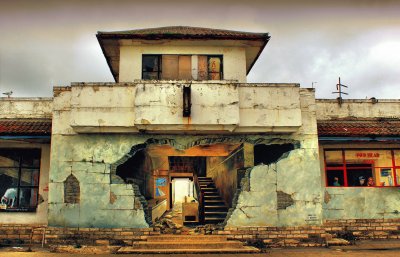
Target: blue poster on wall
x=159 y=192
x=160 y=182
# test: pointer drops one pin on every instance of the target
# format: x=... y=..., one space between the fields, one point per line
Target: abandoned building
x=181 y=127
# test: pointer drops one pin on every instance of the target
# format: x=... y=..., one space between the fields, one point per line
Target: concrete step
x=212 y=197
x=207 y=185
x=213 y=220
x=209 y=189
x=186 y=238
x=191 y=223
x=244 y=249
x=216 y=214
x=215 y=208
x=213 y=202
x=210 y=193
x=187 y=245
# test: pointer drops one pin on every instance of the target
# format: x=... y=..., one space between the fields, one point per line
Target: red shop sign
x=367 y=155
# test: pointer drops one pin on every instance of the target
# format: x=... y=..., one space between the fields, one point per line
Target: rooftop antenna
x=312 y=83
x=340 y=92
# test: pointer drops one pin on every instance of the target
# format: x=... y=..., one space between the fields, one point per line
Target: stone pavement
x=304 y=252
x=387 y=248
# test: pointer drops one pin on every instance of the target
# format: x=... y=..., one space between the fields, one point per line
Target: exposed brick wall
x=317 y=235
x=71 y=190
x=23 y=234
x=306 y=236
x=283 y=200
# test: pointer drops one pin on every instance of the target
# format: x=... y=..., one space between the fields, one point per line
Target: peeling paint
x=327 y=197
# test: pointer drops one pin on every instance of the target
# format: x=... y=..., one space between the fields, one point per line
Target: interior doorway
x=181 y=188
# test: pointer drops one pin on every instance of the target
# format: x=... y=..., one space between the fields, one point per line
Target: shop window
x=361 y=168
x=182 y=67
x=19 y=179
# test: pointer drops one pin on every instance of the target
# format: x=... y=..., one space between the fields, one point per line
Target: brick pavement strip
x=321 y=252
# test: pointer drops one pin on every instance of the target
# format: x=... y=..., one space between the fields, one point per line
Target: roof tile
x=183 y=32
x=373 y=128
x=25 y=127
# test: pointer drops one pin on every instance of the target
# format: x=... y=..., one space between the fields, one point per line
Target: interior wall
x=223 y=171
x=138 y=169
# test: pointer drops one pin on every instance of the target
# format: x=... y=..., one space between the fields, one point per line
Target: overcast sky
x=48 y=43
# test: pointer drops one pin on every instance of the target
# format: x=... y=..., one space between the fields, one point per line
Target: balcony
x=157 y=107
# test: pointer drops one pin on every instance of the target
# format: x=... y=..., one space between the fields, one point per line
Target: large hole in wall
x=267 y=154
x=164 y=173
x=157 y=168
x=136 y=170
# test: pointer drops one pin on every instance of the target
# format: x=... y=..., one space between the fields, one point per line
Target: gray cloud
x=46 y=43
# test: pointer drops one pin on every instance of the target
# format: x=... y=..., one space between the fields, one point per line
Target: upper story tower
x=181 y=53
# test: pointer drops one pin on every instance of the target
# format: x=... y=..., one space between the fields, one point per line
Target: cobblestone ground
x=273 y=253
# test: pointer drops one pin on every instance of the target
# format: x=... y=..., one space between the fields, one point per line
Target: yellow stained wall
x=234 y=59
x=39 y=217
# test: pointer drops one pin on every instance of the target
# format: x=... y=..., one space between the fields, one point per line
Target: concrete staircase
x=187 y=244
x=215 y=209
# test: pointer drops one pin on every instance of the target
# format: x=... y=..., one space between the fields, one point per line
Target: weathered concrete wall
x=25 y=108
x=297 y=176
x=108 y=202
x=234 y=59
x=384 y=108
x=40 y=215
x=361 y=203
x=293 y=182
x=221 y=107
x=102 y=204
x=277 y=106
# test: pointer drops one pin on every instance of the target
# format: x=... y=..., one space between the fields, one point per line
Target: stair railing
x=200 y=198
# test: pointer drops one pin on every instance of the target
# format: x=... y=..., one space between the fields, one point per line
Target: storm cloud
x=51 y=43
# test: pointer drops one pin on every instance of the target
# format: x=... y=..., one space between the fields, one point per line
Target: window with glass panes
x=362 y=167
x=182 y=67
x=19 y=178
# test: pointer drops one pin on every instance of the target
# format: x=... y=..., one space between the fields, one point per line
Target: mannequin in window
x=336 y=182
x=370 y=182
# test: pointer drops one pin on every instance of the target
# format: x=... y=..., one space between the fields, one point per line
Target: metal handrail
x=200 y=199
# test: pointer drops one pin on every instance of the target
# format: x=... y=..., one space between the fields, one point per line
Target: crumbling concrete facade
x=92 y=146
x=260 y=144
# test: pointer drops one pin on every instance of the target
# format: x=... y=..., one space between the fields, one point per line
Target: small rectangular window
x=19 y=179
x=214 y=67
x=151 y=67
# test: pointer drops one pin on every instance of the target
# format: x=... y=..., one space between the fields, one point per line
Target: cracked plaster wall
x=361 y=203
x=90 y=158
x=102 y=204
x=296 y=175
